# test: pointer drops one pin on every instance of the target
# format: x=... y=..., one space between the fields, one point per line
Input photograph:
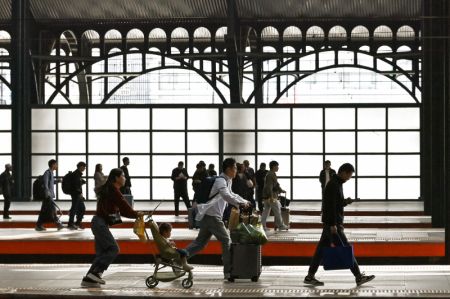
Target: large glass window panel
x=369 y=165
x=239 y=119
x=338 y=160
x=339 y=118
x=43 y=119
x=307 y=142
x=404 y=118
x=39 y=164
x=139 y=166
x=203 y=119
x=90 y=190
x=102 y=119
x=239 y=142
x=307 y=119
x=68 y=163
x=284 y=162
x=168 y=142
x=372 y=142
x=141 y=189
x=135 y=119
x=71 y=142
x=371 y=188
x=163 y=190
x=309 y=165
x=404 y=188
x=407 y=142
x=306 y=189
x=340 y=142
x=108 y=162
x=135 y=142
x=372 y=118
x=5 y=143
x=203 y=142
x=43 y=143
x=404 y=165
x=103 y=143
x=349 y=188
x=163 y=165
x=5 y=119
x=168 y=119
x=5 y=159
x=274 y=142
x=285 y=184
x=71 y=119
x=274 y=119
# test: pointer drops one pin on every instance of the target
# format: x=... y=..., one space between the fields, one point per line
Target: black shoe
x=72 y=227
x=89 y=283
x=39 y=228
x=6 y=217
x=79 y=226
x=362 y=279
x=97 y=277
x=311 y=280
x=59 y=226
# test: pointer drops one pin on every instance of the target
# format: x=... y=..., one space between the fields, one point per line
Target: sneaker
x=283 y=228
x=89 y=283
x=72 y=227
x=311 y=280
x=362 y=279
x=97 y=277
x=6 y=217
x=39 y=228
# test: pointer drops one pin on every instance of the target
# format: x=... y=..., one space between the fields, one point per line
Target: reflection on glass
x=238 y=142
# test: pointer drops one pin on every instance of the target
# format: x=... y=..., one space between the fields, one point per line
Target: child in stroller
x=168 y=257
x=165 y=230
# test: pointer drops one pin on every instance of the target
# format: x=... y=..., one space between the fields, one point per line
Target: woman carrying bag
x=110 y=206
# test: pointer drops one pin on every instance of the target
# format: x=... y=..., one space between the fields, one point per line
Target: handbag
x=338 y=257
x=114 y=219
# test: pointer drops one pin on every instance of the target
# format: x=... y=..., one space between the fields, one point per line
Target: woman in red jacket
x=110 y=206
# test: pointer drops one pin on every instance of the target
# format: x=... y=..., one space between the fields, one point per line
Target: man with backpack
x=48 y=207
x=76 y=193
x=210 y=211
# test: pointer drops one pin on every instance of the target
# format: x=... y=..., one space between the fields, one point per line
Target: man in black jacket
x=126 y=189
x=78 y=208
x=179 y=178
x=333 y=229
x=6 y=182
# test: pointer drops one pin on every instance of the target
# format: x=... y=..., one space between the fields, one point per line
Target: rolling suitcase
x=285 y=215
x=192 y=223
x=245 y=262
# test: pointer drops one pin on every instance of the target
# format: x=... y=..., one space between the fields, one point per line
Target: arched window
x=220 y=34
x=202 y=34
x=135 y=35
x=292 y=33
x=113 y=35
x=179 y=35
x=269 y=34
x=382 y=33
x=406 y=33
x=315 y=33
x=360 y=33
x=337 y=33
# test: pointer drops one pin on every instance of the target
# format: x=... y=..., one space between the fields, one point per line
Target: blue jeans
x=106 y=248
x=210 y=226
x=78 y=208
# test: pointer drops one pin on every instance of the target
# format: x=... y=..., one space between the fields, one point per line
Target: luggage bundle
x=247 y=236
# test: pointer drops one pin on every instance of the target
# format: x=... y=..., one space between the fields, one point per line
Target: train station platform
x=128 y=281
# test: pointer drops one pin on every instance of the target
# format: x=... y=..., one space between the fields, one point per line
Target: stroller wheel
x=187 y=283
x=151 y=282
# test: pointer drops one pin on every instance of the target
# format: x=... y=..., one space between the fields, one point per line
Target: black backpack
x=201 y=195
x=67 y=183
x=39 y=188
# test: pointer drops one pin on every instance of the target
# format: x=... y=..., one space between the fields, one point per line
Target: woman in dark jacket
x=110 y=203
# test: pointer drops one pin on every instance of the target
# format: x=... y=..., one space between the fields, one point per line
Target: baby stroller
x=168 y=258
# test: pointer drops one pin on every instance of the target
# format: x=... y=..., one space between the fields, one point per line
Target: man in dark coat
x=6 y=182
x=333 y=229
x=179 y=178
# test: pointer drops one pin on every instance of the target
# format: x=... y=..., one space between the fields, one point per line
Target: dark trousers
x=78 y=208
x=106 y=248
x=48 y=213
x=325 y=241
x=183 y=194
x=6 y=205
x=259 y=199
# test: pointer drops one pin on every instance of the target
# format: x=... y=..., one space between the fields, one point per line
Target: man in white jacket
x=210 y=215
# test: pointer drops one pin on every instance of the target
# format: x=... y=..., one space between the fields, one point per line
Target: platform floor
x=128 y=281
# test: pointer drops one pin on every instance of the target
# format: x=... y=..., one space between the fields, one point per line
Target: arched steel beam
x=108 y=96
x=291 y=60
x=60 y=92
x=344 y=66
